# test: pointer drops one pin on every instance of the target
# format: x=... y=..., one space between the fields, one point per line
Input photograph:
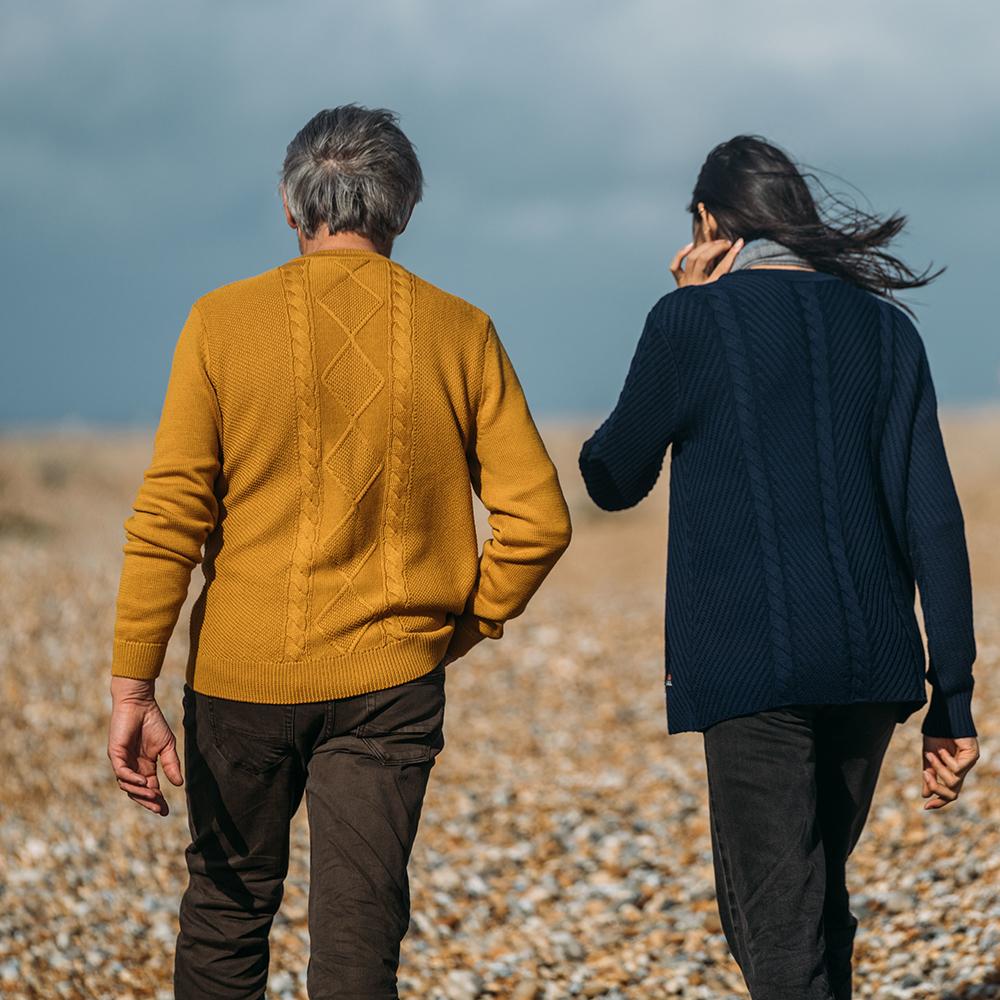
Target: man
x=321 y=427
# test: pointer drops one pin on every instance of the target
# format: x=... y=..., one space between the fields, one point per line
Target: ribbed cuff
x=139 y=660
x=949 y=716
x=599 y=482
x=469 y=632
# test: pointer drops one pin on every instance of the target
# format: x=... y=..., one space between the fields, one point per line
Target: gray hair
x=352 y=168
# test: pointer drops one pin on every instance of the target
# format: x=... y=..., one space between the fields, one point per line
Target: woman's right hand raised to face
x=697 y=265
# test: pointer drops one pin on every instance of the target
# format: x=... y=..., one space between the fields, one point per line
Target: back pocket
x=252 y=737
x=405 y=723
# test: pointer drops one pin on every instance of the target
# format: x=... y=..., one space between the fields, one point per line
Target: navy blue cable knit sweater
x=810 y=493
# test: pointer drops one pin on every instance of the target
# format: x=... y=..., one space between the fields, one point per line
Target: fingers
x=947 y=762
x=727 y=261
x=171 y=764
x=938 y=788
x=698 y=260
x=143 y=792
x=960 y=768
x=123 y=771
x=935 y=803
x=944 y=775
x=963 y=760
x=692 y=265
x=138 y=737
x=147 y=794
x=707 y=251
x=676 y=268
x=138 y=787
x=157 y=805
x=943 y=786
x=142 y=788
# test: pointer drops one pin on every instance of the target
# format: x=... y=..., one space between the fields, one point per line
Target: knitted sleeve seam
x=206 y=367
x=679 y=401
x=482 y=368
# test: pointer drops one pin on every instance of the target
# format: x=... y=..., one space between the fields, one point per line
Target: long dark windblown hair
x=755 y=190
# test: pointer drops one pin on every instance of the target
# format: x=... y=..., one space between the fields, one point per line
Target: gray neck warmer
x=765 y=251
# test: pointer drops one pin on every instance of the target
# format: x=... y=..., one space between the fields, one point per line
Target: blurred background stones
x=564 y=850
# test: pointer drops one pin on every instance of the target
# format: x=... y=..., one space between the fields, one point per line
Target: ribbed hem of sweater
x=949 y=716
x=682 y=719
x=319 y=678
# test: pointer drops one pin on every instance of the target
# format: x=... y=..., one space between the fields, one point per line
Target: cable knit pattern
x=323 y=474
x=850 y=609
x=741 y=380
x=307 y=419
x=810 y=495
x=355 y=462
x=400 y=440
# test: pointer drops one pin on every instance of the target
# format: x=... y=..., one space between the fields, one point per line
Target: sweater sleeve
x=514 y=477
x=936 y=536
x=174 y=511
x=621 y=461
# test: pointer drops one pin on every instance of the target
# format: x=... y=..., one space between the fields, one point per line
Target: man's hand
x=692 y=265
x=946 y=763
x=138 y=735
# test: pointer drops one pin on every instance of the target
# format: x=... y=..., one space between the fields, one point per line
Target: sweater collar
x=767 y=251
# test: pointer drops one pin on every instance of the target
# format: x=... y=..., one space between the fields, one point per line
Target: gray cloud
x=141 y=151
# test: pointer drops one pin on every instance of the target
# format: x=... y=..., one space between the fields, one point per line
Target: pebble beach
x=564 y=847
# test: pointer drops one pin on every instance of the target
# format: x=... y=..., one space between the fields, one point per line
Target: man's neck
x=337 y=241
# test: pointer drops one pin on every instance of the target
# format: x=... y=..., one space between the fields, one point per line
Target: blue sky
x=141 y=148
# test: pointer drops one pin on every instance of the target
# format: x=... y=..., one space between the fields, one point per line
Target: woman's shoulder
x=679 y=305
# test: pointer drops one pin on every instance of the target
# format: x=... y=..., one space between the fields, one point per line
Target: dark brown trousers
x=363 y=764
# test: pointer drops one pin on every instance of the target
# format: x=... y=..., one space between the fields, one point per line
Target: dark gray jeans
x=363 y=764
x=789 y=793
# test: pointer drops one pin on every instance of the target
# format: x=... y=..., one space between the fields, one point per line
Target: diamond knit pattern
x=350 y=383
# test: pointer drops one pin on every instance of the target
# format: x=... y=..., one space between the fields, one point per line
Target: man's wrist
x=132 y=689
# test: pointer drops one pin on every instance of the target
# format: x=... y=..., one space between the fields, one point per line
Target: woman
x=810 y=494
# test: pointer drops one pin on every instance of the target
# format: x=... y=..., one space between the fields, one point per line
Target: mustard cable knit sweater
x=321 y=427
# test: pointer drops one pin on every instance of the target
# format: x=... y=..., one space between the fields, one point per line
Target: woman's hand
x=946 y=763
x=692 y=265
